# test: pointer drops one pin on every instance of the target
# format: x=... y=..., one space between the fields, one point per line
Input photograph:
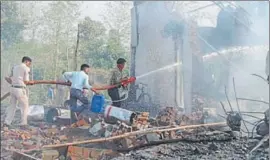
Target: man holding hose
x=79 y=80
x=18 y=79
x=116 y=76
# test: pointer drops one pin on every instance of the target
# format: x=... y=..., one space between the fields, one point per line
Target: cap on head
x=25 y=59
x=84 y=66
x=121 y=61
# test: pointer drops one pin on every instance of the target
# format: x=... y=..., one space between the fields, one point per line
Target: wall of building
x=154 y=51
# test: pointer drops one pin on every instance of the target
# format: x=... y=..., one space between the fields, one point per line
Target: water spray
x=158 y=70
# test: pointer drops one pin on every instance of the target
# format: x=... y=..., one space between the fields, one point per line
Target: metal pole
x=134 y=44
x=187 y=70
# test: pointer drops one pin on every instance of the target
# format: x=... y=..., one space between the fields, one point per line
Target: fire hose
x=123 y=83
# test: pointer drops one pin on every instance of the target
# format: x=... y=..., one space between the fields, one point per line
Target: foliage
x=99 y=49
x=11 y=25
x=117 y=17
x=92 y=44
x=59 y=31
x=46 y=32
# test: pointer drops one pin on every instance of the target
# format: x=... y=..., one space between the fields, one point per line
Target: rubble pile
x=170 y=126
x=167 y=117
x=231 y=150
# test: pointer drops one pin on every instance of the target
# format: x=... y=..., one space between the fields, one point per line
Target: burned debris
x=121 y=133
x=170 y=126
x=234 y=121
x=178 y=122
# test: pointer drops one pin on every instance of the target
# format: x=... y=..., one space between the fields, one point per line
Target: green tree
x=11 y=25
x=60 y=32
x=117 y=16
x=98 y=48
x=92 y=42
x=30 y=13
x=114 y=45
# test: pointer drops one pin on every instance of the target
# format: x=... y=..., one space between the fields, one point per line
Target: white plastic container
x=118 y=113
x=39 y=112
x=36 y=112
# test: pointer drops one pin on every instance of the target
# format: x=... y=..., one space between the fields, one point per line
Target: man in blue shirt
x=79 y=80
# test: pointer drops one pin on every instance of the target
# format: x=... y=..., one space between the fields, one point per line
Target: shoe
x=24 y=127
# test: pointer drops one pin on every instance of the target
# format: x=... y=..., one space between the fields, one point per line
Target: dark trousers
x=114 y=94
x=76 y=94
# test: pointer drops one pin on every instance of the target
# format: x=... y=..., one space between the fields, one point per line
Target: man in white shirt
x=79 y=80
x=19 y=78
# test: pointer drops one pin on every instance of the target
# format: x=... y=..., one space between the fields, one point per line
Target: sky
x=93 y=9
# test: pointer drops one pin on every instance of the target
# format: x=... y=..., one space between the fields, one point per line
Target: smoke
x=238 y=55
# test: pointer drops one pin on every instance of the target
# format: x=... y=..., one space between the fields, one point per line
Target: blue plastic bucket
x=97 y=104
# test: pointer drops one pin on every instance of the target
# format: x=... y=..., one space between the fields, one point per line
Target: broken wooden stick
x=151 y=130
x=5 y=96
x=8 y=79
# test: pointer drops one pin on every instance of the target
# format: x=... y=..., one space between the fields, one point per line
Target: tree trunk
x=56 y=51
x=67 y=56
x=76 y=50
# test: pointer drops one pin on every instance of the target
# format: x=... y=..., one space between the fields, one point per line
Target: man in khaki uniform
x=116 y=76
x=19 y=79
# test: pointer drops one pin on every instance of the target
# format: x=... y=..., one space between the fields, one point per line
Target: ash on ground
x=230 y=150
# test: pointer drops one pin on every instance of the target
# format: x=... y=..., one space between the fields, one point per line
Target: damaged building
x=206 y=84
x=198 y=57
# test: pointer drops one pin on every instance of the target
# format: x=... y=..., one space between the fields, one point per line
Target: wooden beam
x=150 y=130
